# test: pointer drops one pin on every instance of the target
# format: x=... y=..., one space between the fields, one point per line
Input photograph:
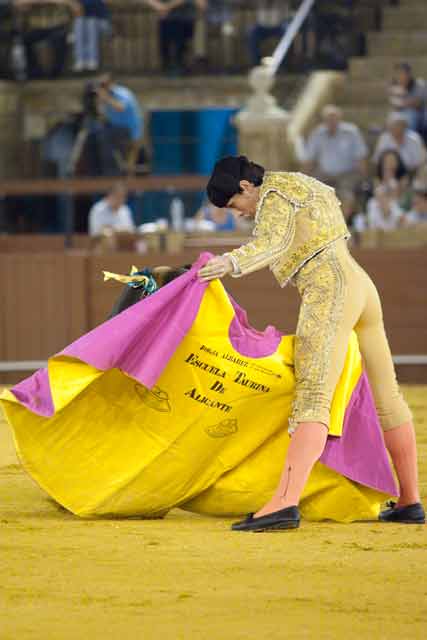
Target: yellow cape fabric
x=211 y=437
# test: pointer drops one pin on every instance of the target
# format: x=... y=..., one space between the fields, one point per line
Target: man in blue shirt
x=123 y=117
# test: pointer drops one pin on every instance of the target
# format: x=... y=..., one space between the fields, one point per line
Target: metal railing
x=290 y=34
x=133 y=47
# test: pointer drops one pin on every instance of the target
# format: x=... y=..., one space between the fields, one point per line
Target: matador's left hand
x=217 y=267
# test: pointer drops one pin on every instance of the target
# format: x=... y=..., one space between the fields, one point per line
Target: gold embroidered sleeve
x=274 y=232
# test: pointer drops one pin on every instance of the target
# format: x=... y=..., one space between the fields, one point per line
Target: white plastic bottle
x=19 y=59
x=176 y=212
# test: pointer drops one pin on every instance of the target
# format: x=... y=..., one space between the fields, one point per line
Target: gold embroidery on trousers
x=322 y=285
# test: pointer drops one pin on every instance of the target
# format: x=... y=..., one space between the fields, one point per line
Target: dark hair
x=253 y=173
x=401 y=170
x=404 y=66
x=224 y=182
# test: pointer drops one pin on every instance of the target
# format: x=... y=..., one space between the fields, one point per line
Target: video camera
x=90 y=100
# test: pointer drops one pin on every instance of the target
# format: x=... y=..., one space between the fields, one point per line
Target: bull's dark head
x=156 y=278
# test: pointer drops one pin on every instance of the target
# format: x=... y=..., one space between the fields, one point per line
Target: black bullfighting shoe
x=411 y=514
x=288 y=518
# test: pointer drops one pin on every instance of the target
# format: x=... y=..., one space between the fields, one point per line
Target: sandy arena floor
x=190 y=577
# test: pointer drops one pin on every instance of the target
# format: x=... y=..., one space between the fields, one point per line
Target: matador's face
x=244 y=204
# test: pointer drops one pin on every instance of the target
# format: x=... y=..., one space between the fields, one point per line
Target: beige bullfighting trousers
x=337 y=297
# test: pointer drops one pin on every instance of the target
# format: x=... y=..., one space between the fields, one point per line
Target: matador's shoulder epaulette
x=291 y=186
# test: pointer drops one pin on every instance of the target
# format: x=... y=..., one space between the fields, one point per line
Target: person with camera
x=123 y=118
x=112 y=123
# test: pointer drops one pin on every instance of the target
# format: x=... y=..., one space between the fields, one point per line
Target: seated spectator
x=123 y=117
x=393 y=175
x=407 y=95
x=400 y=138
x=336 y=152
x=111 y=214
x=176 y=29
x=384 y=212
x=272 y=20
x=87 y=30
x=418 y=213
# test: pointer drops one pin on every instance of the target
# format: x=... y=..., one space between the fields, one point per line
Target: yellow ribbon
x=126 y=279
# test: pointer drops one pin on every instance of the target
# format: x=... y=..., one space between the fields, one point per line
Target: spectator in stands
x=271 y=21
x=326 y=24
x=122 y=113
x=336 y=152
x=407 y=95
x=29 y=38
x=418 y=213
x=111 y=214
x=393 y=175
x=400 y=138
x=176 y=29
x=305 y=44
x=215 y=23
x=87 y=30
x=384 y=211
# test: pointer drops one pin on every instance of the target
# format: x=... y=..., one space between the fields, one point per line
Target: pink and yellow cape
x=178 y=402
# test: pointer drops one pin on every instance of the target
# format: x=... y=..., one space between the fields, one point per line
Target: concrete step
x=366 y=117
x=365 y=92
x=407 y=19
x=382 y=66
x=404 y=43
x=157 y=92
x=365 y=18
x=409 y=4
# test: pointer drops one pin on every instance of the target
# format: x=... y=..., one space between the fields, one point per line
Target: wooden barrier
x=48 y=299
x=69 y=187
x=41 y=243
x=81 y=186
x=413 y=237
x=43 y=299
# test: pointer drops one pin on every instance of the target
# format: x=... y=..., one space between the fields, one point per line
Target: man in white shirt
x=111 y=213
x=398 y=137
x=336 y=152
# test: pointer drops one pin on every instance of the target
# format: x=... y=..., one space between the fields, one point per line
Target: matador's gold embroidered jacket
x=297 y=216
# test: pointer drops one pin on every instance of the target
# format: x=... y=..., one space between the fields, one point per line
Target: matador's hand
x=217 y=267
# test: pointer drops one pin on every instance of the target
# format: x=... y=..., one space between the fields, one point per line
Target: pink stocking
x=305 y=448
